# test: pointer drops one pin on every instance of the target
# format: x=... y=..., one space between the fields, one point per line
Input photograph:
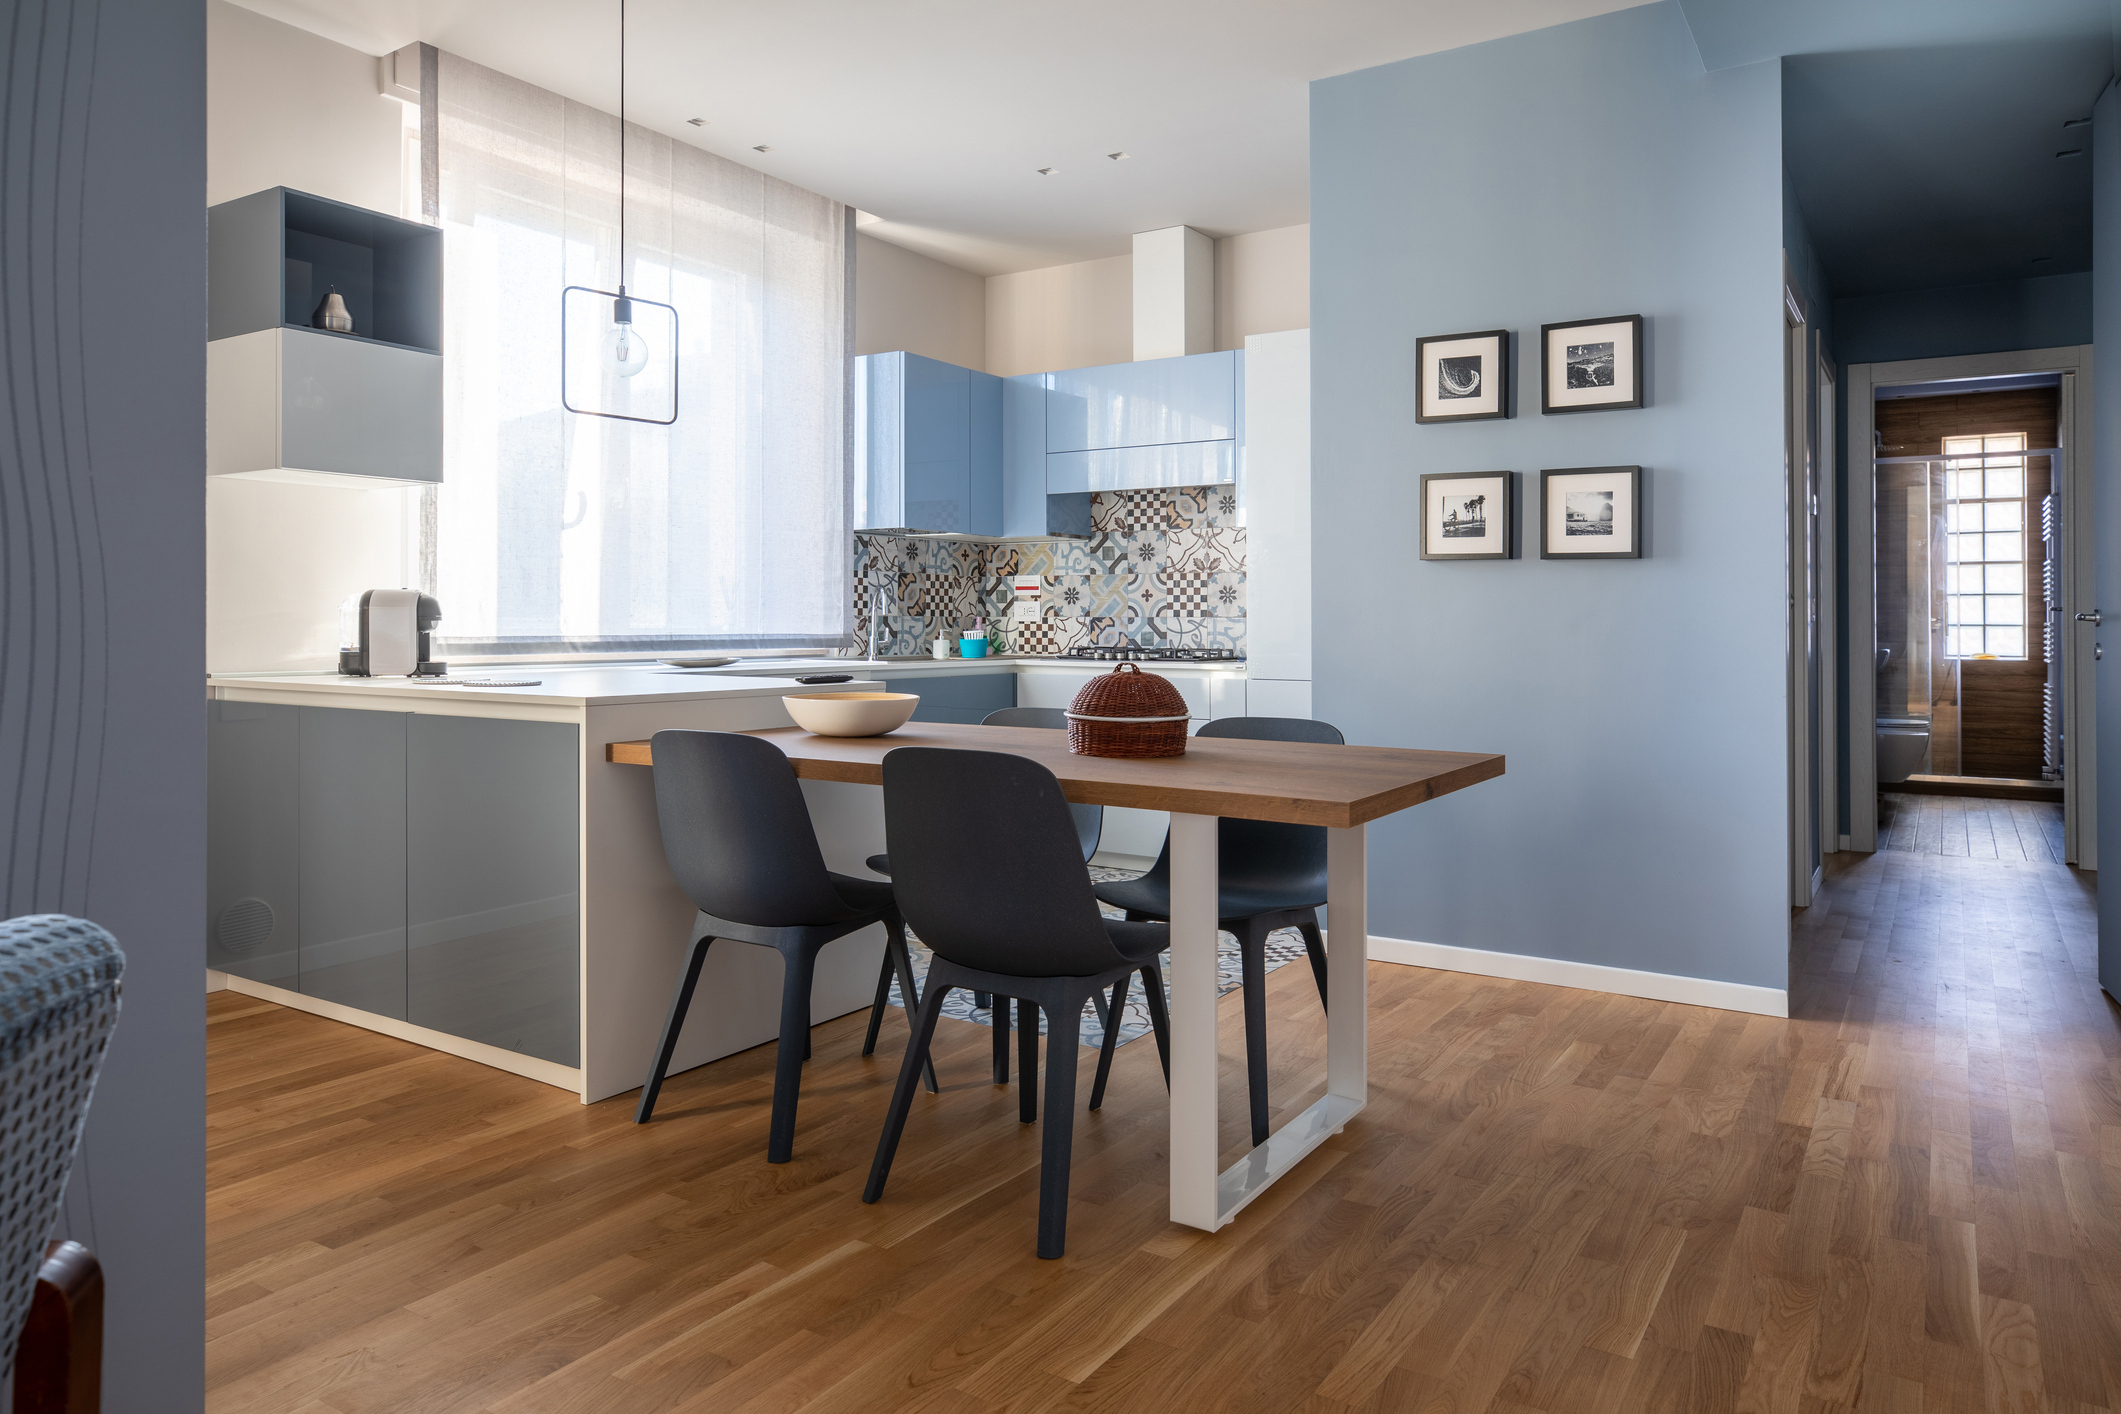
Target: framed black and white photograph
x=1463 y=377
x=1591 y=365
x=1468 y=515
x=1591 y=513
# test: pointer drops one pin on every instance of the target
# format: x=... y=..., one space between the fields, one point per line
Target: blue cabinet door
x=962 y=697
x=928 y=446
x=1158 y=400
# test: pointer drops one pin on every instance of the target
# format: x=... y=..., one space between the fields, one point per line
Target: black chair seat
x=880 y=863
x=862 y=895
x=1236 y=899
x=1138 y=942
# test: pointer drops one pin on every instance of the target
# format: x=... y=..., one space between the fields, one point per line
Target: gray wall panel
x=102 y=637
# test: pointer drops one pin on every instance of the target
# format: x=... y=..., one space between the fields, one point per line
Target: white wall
x=286 y=108
x=1262 y=284
x=1072 y=316
x=904 y=300
x=1064 y=316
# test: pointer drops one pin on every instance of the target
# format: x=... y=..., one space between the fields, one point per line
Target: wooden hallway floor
x=1970 y=827
x=1907 y=1197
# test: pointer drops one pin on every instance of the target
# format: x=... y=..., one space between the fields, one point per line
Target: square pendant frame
x=619 y=416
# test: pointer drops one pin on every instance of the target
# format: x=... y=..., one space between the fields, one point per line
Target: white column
x=1174 y=293
x=1193 y=1058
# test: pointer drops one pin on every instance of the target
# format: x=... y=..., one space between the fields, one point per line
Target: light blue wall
x=2106 y=463
x=2044 y=312
x=1584 y=170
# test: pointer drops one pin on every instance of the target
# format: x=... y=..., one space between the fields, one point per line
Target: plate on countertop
x=696 y=662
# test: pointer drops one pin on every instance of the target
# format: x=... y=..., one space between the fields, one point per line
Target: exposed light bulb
x=625 y=351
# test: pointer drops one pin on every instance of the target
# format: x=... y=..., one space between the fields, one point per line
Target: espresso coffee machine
x=389 y=633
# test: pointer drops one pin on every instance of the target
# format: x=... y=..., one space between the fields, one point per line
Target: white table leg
x=1193 y=1060
x=1200 y=1197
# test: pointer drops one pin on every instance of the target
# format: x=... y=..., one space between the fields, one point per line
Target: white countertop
x=606 y=684
x=573 y=684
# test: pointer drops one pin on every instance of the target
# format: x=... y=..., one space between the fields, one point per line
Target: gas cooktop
x=1138 y=654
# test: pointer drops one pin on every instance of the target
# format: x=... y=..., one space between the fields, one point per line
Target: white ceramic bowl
x=851 y=713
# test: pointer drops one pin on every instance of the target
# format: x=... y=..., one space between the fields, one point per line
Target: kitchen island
x=461 y=867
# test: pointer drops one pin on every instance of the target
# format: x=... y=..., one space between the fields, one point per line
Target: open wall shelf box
x=287 y=402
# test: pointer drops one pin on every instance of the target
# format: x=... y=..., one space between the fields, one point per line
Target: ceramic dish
x=851 y=713
x=695 y=662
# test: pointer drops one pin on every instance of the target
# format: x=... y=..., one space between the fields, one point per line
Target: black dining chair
x=1089 y=829
x=990 y=877
x=1270 y=876
x=739 y=841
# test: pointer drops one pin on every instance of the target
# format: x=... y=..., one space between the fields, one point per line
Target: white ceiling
x=936 y=114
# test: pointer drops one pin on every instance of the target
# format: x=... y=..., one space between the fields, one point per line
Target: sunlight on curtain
x=559 y=532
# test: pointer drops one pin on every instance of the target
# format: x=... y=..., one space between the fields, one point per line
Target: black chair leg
x=679 y=1005
x=1252 y=950
x=1159 y=1016
x=1057 y=1140
x=998 y=1009
x=1027 y=1059
x=902 y=1093
x=1315 y=944
x=883 y=1000
x=895 y=955
x=801 y=966
x=1104 y=1054
x=1104 y=1009
x=983 y=999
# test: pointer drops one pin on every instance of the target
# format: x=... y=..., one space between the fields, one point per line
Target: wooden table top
x=1301 y=783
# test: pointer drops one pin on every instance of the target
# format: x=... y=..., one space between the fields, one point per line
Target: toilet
x=1903 y=748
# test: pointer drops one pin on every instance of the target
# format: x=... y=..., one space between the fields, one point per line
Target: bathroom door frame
x=2073 y=482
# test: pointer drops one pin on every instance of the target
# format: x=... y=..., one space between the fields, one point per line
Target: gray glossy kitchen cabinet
x=254 y=841
x=352 y=823
x=965 y=698
x=493 y=883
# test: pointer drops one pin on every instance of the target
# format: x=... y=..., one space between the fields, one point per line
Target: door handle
x=2092 y=617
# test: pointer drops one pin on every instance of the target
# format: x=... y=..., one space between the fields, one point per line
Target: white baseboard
x=216 y=981
x=1587 y=976
x=529 y=1067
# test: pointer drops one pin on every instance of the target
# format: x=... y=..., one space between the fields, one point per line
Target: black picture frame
x=1623 y=364
x=1625 y=517
x=1500 y=546
x=1489 y=352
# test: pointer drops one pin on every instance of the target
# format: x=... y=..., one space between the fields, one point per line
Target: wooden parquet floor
x=1970 y=827
x=1907 y=1198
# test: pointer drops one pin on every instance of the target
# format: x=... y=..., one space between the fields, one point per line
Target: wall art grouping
x=1585 y=365
x=1585 y=513
x=1161 y=568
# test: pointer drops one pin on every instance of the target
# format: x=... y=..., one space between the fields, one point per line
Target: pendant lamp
x=618 y=352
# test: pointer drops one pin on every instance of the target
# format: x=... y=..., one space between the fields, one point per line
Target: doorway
x=1973 y=553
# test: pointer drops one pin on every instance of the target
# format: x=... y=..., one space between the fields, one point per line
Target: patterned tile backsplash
x=1161 y=568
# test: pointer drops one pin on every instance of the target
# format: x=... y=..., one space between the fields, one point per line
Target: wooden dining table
x=1343 y=788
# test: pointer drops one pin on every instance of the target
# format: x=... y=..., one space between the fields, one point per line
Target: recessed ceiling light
x=1047 y=171
x=2071 y=152
x=697 y=122
x=1117 y=156
x=2075 y=122
x=762 y=148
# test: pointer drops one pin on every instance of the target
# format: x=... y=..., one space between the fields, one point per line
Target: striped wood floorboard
x=1971 y=827
x=1907 y=1198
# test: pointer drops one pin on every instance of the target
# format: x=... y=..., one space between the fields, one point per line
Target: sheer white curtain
x=560 y=532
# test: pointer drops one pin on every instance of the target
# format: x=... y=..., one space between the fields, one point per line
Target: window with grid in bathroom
x=1985 y=584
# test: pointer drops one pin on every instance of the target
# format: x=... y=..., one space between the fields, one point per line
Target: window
x=1984 y=508
x=558 y=533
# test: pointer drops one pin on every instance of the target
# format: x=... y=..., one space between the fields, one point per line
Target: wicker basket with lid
x=1127 y=713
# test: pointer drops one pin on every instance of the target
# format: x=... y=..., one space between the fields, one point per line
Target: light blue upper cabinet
x=1144 y=404
x=928 y=446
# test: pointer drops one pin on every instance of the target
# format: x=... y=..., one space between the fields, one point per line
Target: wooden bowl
x=851 y=713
